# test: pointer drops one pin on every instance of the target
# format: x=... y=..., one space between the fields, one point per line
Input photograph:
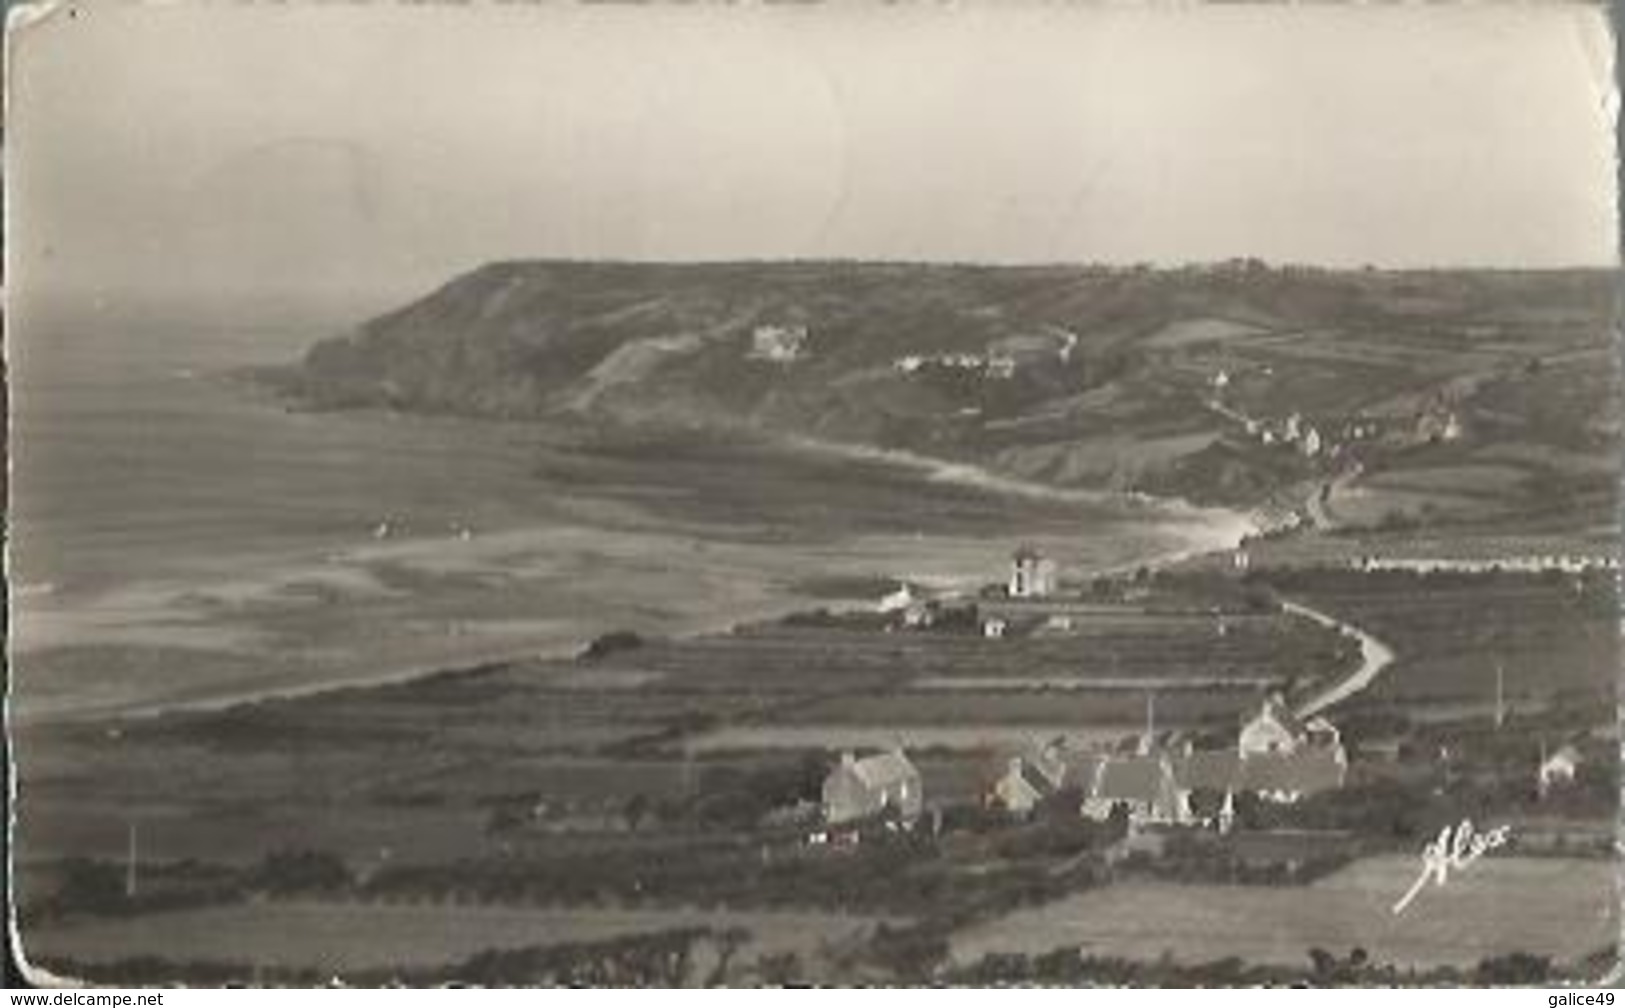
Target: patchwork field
x=415 y=768
x=1566 y=909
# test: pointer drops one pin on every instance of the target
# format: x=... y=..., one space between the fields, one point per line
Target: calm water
x=180 y=538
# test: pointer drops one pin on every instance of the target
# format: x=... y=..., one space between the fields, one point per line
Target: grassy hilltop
x=1461 y=395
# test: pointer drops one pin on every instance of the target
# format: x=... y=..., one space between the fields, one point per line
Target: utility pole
x=1500 y=695
x=129 y=865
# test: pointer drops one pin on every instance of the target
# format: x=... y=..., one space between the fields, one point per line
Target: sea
x=179 y=537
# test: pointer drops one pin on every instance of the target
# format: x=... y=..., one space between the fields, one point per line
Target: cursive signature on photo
x=1454 y=848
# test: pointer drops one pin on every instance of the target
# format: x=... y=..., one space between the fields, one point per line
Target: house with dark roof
x=1207 y=782
x=1558 y=769
x=1142 y=783
x=857 y=789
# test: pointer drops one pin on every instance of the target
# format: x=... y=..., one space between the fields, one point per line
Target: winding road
x=1374 y=657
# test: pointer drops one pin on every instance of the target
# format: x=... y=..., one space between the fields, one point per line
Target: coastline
x=1199 y=531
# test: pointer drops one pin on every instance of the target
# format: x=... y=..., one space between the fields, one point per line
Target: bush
x=302 y=871
x=607 y=644
x=90 y=886
x=1516 y=969
x=910 y=953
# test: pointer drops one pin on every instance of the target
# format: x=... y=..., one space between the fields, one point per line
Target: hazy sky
x=378 y=150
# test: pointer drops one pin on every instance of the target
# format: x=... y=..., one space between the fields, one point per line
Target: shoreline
x=1193 y=530
x=474 y=664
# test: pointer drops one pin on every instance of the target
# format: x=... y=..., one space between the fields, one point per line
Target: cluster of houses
x=1032 y=576
x=1557 y=770
x=1436 y=421
x=1294 y=432
x=1278 y=757
x=1163 y=781
x=987 y=365
x=1002 y=359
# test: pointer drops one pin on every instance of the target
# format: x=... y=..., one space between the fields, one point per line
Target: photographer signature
x=1455 y=847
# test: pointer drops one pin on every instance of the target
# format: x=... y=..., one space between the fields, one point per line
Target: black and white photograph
x=812 y=494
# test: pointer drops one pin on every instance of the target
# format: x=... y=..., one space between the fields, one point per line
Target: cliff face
x=1173 y=381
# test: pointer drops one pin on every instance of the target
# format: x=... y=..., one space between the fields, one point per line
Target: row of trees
x=102 y=888
x=1323 y=968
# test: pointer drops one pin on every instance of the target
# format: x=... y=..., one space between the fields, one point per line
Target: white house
x=1032 y=575
x=1557 y=770
x=994 y=627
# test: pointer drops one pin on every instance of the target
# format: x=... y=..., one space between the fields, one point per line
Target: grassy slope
x=1124 y=409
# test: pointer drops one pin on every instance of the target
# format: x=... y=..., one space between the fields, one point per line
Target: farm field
x=1022 y=707
x=1564 y=908
x=438 y=748
x=1554 y=638
x=343 y=936
x=1104 y=685
x=963 y=737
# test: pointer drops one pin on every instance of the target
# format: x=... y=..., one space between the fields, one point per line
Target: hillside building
x=779 y=344
x=1032 y=575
